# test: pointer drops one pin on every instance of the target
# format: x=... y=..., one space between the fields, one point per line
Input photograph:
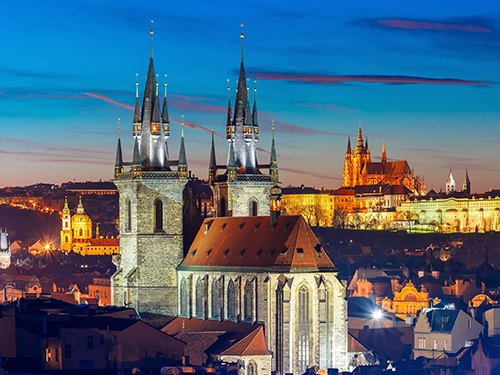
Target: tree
x=340 y=219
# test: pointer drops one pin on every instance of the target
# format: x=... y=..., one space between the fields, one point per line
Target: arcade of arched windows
x=218 y=297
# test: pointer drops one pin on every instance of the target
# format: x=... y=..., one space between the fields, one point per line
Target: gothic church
x=248 y=264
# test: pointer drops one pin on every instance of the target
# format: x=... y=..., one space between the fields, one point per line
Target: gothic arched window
x=185 y=298
x=216 y=294
x=249 y=301
x=66 y=239
x=200 y=298
x=81 y=232
x=251 y=369
x=158 y=215
x=66 y=224
x=252 y=209
x=231 y=300
x=303 y=327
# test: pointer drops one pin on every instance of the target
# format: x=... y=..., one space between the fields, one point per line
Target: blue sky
x=422 y=74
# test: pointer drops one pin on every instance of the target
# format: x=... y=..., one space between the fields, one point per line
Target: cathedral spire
x=367 y=149
x=212 y=166
x=255 y=118
x=182 y=165
x=273 y=165
x=151 y=32
x=359 y=146
x=229 y=113
x=384 y=156
x=231 y=165
x=348 y=145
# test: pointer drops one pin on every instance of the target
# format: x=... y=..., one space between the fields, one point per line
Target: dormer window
x=240 y=227
x=242 y=252
x=300 y=252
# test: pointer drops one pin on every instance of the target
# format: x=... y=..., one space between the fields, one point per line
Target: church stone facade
x=246 y=265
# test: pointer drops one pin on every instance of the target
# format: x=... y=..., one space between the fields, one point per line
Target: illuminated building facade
x=5 y=253
x=76 y=234
x=360 y=170
x=456 y=213
x=242 y=190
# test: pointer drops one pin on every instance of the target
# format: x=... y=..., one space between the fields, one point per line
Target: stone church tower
x=5 y=253
x=151 y=199
x=242 y=190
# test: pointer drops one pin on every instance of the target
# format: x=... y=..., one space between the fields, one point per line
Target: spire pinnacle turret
x=242 y=36
x=137 y=110
x=212 y=166
x=119 y=158
x=359 y=146
x=466 y=184
x=273 y=164
x=182 y=165
x=348 y=144
x=384 y=156
x=136 y=160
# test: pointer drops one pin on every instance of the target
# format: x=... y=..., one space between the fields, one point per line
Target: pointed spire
x=466 y=184
x=384 y=156
x=348 y=145
x=359 y=146
x=231 y=166
x=182 y=165
x=136 y=161
x=273 y=164
x=119 y=158
x=66 y=207
x=255 y=118
x=212 y=166
x=229 y=110
x=137 y=110
x=366 y=145
x=164 y=114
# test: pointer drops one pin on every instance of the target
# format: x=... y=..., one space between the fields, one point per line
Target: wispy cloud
x=327 y=107
x=327 y=79
x=30 y=74
x=429 y=25
x=108 y=99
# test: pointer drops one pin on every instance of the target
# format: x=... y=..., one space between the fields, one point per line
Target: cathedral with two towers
x=247 y=264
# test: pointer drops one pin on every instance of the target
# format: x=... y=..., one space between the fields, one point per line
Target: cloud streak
x=427 y=25
x=327 y=79
x=309 y=173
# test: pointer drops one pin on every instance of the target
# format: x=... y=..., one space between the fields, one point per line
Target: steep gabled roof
x=251 y=242
x=253 y=344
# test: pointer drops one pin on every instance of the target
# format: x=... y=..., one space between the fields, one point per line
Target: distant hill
x=30 y=225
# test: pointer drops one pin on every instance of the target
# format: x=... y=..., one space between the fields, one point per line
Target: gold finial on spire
x=212 y=127
x=273 y=128
x=118 y=127
x=255 y=91
x=151 y=32
x=136 y=85
x=157 y=85
x=242 y=36
x=165 y=85
x=182 y=123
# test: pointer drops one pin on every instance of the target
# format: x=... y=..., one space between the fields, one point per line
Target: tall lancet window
x=231 y=300
x=249 y=292
x=216 y=299
x=200 y=298
x=185 y=298
x=128 y=223
x=303 y=329
x=252 y=209
x=158 y=215
x=222 y=207
x=279 y=329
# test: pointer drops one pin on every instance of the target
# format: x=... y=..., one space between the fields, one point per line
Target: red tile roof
x=253 y=344
x=211 y=337
x=250 y=242
x=394 y=168
x=109 y=242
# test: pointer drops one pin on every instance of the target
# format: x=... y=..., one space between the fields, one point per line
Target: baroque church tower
x=151 y=212
x=242 y=190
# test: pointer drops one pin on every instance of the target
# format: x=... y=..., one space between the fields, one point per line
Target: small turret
x=229 y=123
x=466 y=184
x=119 y=158
x=182 y=165
x=367 y=149
x=255 y=118
x=450 y=184
x=137 y=112
x=273 y=164
x=136 y=160
x=212 y=167
x=231 y=165
x=164 y=114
